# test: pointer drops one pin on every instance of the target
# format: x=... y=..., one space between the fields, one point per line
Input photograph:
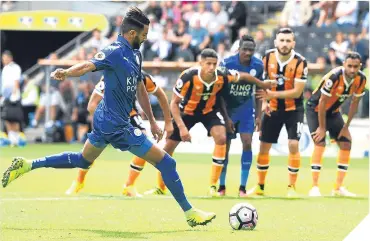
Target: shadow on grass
x=108 y=233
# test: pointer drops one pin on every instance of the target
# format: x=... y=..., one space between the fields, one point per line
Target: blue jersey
x=241 y=93
x=122 y=71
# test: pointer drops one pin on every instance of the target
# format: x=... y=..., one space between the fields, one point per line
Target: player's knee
x=265 y=148
x=78 y=160
x=247 y=146
x=220 y=139
x=293 y=146
x=345 y=145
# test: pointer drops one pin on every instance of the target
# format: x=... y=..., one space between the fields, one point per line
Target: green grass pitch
x=35 y=207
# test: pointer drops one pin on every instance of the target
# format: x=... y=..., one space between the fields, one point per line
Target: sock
x=263 y=161
x=81 y=175
x=223 y=173
x=246 y=162
x=218 y=159
x=316 y=161
x=342 y=162
x=136 y=166
x=62 y=160
x=167 y=166
x=294 y=162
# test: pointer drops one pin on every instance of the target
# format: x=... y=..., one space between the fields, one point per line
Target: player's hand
x=268 y=84
x=156 y=131
x=264 y=94
x=168 y=127
x=59 y=74
x=184 y=134
x=266 y=108
x=318 y=135
x=230 y=128
x=345 y=133
x=257 y=124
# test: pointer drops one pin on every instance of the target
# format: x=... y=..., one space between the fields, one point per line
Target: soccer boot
x=257 y=190
x=243 y=193
x=18 y=167
x=155 y=191
x=130 y=191
x=221 y=191
x=75 y=187
x=213 y=191
x=196 y=217
x=291 y=192
x=314 y=192
x=343 y=192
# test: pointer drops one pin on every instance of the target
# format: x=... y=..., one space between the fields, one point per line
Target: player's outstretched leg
x=343 y=163
x=167 y=166
x=64 y=160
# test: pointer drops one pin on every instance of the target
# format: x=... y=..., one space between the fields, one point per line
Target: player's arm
x=143 y=98
x=250 y=79
x=355 y=102
x=163 y=102
x=96 y=96
x=229 y=123
x=74 y=71
x=175 y=110
x=258 y=108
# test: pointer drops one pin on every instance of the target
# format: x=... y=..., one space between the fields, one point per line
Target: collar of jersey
x=124 y=41
x=208 y=85
x=345 y=80
x=282 y=64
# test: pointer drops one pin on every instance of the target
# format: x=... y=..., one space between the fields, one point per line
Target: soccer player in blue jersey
x=241 y=110
x=121 y=63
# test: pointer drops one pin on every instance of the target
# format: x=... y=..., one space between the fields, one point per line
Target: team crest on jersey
x=99 y=56
x=253 y=72
x=179 y=83
x=305 y=71
x=329 y=83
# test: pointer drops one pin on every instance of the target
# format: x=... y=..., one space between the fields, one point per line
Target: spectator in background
x=234 y=48
x=346 y=14
x=6 y=5
x=222 y=51
x=365 y=98
x=161 y=49
x=332 y=60
x=171 y=10
x=154 y=9
x=202 y=15
x=340 y=46
x=365 y=27
x=237 y=12
x=180 y=40
x=327 y=11
x=30 y=99
x=13 y=113
x=80 y=116
x=81 y=55
x=187 y=12
x=117 y=28
x=98 y=41
x=262 y=44
x=296 y=13
x=199 y=38
x=218 y=23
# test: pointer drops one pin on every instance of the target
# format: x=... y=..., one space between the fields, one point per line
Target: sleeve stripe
x=359 y=95
x=177 y=93
x=155 y=90
x=325 y=93
x=99 y=92
x=300 y=80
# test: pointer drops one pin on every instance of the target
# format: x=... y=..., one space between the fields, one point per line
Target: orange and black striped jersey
x=200 y=97
x=335 y=85
x=149 y=83
x=286 y=74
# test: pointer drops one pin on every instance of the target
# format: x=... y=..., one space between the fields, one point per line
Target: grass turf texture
x=35 y=207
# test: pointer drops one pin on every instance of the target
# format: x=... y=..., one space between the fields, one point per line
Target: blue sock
x=246 y=163
x=224 y=170
x=62 y=160
x=167 y=167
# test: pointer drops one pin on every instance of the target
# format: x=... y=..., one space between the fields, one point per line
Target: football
x=243 y=216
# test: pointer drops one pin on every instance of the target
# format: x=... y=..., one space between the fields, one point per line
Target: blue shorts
x=125 y=138
x=243 y=118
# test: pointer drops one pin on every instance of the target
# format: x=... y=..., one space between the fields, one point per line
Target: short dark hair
x=353 y=55
x=8 y=53
x=246 y=38
x=285 y=31
x=134 y=19
x=208 y=53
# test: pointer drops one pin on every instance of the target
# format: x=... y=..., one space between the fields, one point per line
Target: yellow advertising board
x=49 y=20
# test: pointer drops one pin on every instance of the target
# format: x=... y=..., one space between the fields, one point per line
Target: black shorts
x=271 y=125
x=334 y=123
x=13 y=111
x=214 y=118
x=137 y=121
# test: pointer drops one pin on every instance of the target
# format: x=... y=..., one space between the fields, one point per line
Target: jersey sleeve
x=360 y=90
x=183 y=83
x=99 y=88
x=150 y=85
x=301 y=72
x=105 y=59
x=328 y=84
x=231 y=74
